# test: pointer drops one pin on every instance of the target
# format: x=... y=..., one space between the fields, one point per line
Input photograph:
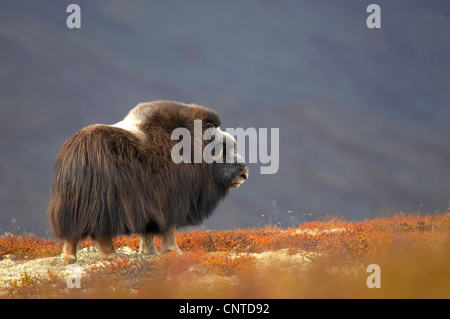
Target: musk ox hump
x=170 y=115
x=167 y=115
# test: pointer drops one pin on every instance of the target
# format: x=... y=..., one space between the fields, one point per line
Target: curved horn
x=219 y=137
x=216 y=158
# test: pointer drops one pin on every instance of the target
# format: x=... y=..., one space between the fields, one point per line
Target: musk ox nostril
x=244 y=176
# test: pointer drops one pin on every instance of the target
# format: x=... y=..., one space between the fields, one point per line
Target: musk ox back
x=121 y=179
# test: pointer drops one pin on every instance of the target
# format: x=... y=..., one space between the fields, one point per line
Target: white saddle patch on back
x=131 y=124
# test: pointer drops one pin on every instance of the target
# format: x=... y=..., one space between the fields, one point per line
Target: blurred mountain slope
x=363 y=114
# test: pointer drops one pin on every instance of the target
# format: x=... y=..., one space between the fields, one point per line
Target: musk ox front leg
x=147 y=246
x=169 y=242
x=69 y=255
x=106 y=248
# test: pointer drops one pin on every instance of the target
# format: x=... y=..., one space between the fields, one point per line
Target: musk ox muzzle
x=121 y=179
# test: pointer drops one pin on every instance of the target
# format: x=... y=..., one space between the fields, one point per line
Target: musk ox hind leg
x=169 y=242
x=69 y=255
x=147 y=246
x=106 y=248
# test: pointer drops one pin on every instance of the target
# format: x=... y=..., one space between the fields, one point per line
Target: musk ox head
x=122 y=178
x=229 y=166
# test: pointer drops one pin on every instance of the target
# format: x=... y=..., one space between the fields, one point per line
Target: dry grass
x=323 y=259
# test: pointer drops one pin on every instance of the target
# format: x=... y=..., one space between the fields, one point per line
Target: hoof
x=149 y=253
x=68 y=259
x=174 y=250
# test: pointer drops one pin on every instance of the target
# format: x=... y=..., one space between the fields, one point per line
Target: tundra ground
x=322 y=259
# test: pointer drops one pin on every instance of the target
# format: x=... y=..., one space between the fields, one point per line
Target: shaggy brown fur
x=111 y=181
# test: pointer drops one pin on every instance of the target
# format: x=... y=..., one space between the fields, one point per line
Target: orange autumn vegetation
x=413 y=252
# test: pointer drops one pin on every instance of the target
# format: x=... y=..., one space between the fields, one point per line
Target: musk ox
x=121 y=179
